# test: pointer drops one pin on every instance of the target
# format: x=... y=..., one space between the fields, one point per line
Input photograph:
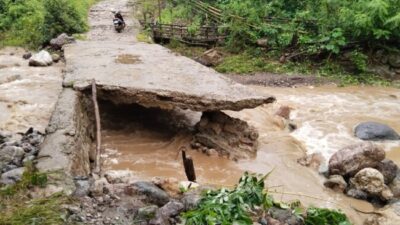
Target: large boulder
x=61 y=40
x=375 y=131
x=349 y=160
x=371 y=181
x=43 y=58
x=154 y=194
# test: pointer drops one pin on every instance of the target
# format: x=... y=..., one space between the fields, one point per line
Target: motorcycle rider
x=118 y=15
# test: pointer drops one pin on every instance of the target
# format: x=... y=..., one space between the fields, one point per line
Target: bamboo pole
x=98 y=128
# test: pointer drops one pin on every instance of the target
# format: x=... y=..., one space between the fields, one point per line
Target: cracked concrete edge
x=168 y=100
x=67 y=144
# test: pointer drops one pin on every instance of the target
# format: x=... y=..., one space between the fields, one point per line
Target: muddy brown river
x=325 y=117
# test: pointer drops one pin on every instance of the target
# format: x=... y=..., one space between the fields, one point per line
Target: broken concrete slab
x=68 y=141
x=154 y=77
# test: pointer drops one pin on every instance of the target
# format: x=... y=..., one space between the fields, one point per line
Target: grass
x=143 y=36
x=17 y=207
x=255 y=61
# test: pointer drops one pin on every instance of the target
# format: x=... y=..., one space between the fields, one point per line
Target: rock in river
x=388 y=169
x=371 y=181
x=349 y=160
x=375 y=131
x=43 y=58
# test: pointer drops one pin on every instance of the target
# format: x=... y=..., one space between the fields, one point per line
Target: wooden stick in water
x=189 y=166
x=98 y=128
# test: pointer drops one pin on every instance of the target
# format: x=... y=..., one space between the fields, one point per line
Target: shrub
x=32 y=23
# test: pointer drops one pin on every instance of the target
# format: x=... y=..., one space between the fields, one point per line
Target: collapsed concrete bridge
x=128 y=72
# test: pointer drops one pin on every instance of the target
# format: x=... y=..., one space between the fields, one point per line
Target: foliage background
x=31 y=23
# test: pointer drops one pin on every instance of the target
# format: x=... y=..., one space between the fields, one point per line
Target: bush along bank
x=32 y=23
x=354 y=41
x=250 y=203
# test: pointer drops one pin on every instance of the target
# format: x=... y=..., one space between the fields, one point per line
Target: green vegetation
x=331 y=38
x=18 y=208
x=317 y=216
x=31 y=23
x=247 y=202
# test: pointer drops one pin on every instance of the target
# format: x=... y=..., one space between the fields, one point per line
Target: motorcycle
x=119 y=25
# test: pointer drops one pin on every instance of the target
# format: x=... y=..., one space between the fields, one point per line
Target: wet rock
x=191 y=199
x=171 y=209
x=43 y=58
x=154 y=194
x=188 y=185
x=60 y=41
x=12 y=176
x=284 y=112
x=27 y=55
x=212 y=152
x=358 y=194
x=229 y=136
x=211 y=57
x=11 y=154
x=285 y=216
x=98 y=187
x=395 y=185
x=270 y=221
x=375 y=131
x=372 y=182
x=349 y=160
x=388 y=169
x=55 y=57
x=336 y=182
x=394 y=60
x=169 y=185
x=82 y=187
x=313 y=160
x=118 y=176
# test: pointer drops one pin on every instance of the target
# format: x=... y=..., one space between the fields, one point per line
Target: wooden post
x=189 y=166
x=98 y=128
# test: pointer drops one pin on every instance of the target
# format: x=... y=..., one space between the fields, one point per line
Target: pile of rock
x=15 y=151
x=361 y=171
x=219 y=133
x=117 y=199
x=44 y=58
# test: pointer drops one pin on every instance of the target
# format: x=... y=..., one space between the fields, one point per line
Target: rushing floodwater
x=325 y=117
